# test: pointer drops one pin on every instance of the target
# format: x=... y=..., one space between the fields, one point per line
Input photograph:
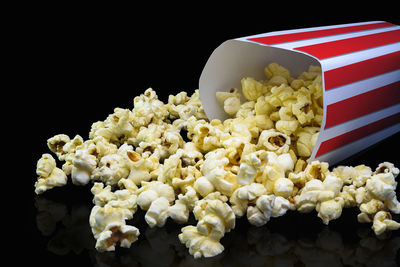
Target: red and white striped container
x=361 y=78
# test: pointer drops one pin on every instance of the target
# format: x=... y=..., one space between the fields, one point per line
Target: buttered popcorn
x=169 y=160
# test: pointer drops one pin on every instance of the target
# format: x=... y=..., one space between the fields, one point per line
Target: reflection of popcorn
x=49 y=175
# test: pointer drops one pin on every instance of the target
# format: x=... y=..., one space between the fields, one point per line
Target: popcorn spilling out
x=254 y=164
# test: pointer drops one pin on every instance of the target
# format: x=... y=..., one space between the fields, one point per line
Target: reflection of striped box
x=361 y=78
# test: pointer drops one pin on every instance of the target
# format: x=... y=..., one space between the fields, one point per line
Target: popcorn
x=126 y=201
x=273 y=140
x=302 y=108
x=171 y=168
x=49 y=175
x=69 y=150
x=382 y=186
x=102 y=195
x=109 y=226
x=323 y=196
x=148 y=108
x=185 y=203
x=150 y=191
x=56 y=145
x=215 y=174
x=306 y=138
x=369 y=209
x=215 y=218
x=230 y=100
x=188 y=177
x=258 y=159
x=246 y=110
x=387 y=167
x=122 y=199
x=252 y=89
x=276 y=168
x=84 y=164
x=249 y=169
x=306 y=201
x=140 y=167
x=191 y=155
x=116 y=128
x=274 y=69
x=283 y=187
x=281 y=96
x=203 y=135
x=330 y=209
x=287 y=127
x=158 y=212
x=316 y=170
x=241 y=197
x=383 y=221
x=267 y=206
x=113 y=167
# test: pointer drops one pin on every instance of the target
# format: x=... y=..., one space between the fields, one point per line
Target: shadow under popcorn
x=291 y=240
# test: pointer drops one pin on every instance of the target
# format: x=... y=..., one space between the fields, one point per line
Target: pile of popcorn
x=254 y=164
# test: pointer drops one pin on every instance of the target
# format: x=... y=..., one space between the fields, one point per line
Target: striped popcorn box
x=360 y=64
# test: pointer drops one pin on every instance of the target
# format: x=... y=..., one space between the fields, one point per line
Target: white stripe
x=346 y=151
x=351 y=58
x=356 y=123
x=330 y=38
x=275 y=33
x=360 y=87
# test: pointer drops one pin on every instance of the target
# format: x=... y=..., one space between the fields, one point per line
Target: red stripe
x=290 y=37
x=361 y=70
x=340 y=47
x=363 y=104
x=357 y=134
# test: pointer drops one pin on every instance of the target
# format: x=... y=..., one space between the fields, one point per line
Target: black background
x=73 y=68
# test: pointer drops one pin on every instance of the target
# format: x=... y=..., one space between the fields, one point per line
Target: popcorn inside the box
x=254 y=164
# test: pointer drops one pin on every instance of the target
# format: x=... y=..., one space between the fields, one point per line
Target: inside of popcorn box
x=234 y=60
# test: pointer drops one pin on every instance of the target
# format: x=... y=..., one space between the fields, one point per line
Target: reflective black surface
x=292 y=240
